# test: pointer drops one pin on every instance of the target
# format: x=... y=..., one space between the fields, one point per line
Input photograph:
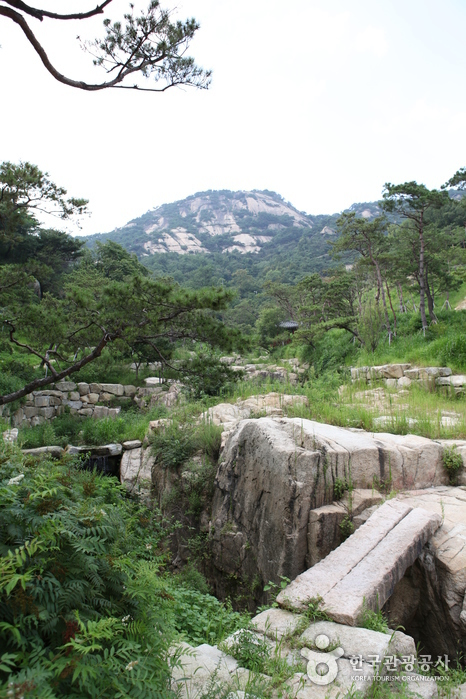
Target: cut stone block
x=130 y=390
x=458 y=380
x=371 y=582
x=324 y=534
x=115 y=388
x=83 y=388
x=65 y=386
x=95 y=388
x=358 y=641
x=404 y=382
x=55 y=394
x=153 y=381
x=412 y=374
x=319 y=580
x=86 y=412
x=393 y=371
x=54 y=452
x=92 y=398
x=42 y=401
x=132 y=444
x=100 y=411
x=47 y=412
x=73 y=404
x=276 y=623
x=444 y=371
x=74 y=395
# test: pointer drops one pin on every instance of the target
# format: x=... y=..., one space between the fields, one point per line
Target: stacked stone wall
x=86 y=400
x=403 y=375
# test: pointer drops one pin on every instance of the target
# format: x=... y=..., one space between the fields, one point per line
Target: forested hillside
x=214 y=231
x=247 y=241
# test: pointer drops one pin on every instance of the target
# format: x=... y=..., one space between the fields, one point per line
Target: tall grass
x=70 y=429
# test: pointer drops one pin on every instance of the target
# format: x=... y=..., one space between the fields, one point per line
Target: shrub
x=453 y=462
x=201 y=618
x=339 y=488
x=84 y=609
x=205 y=375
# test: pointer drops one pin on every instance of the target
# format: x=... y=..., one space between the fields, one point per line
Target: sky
x=322 y=101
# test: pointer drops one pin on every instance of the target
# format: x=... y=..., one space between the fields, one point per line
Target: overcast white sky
x=320 y=100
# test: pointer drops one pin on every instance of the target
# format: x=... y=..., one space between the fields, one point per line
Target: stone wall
x=88 y=400
x=403 y=375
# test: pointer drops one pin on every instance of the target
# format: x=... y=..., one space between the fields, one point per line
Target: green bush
x=201 y=618
x=453 y=462
x=204 y=375
x=177 y=442
x=84 y=609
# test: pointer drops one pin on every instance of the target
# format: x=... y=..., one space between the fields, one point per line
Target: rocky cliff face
x=218 y=221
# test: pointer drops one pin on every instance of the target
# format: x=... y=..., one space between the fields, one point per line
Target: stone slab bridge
x=363 y=571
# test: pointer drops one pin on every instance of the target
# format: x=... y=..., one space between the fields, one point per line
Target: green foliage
x=201 y=618
x=454 y=351
x=340 y=487
x=69 y=429
x=81 y=596
x=204 y=375
x=251 y=651
x=176 y=442
x=346 y=527
x=453 y=462
x=314 y=612
x=375 y=621
x=173 y=445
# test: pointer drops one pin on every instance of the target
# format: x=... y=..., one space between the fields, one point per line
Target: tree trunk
x=391 y=306
x=430 y=298
x=422 y=289
x=403 y=308
x=384 y=302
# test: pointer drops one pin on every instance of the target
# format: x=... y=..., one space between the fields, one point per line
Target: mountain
x=213 y=221
x=217 y=229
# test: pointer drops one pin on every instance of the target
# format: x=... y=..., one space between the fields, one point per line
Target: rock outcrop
x=275 y=471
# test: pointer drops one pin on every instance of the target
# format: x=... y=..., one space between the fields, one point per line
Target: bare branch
x=148 y=46
x=46 y=381
x=40 y=14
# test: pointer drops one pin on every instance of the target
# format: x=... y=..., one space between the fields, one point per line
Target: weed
x=375 y=621
x=314 y=612
x=346 y=527
x=453 y=462
x=275 y=588
x=340 y=487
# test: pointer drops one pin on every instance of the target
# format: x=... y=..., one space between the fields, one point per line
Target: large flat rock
x=319 y=580
x=372 y=581
x=364 y=570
